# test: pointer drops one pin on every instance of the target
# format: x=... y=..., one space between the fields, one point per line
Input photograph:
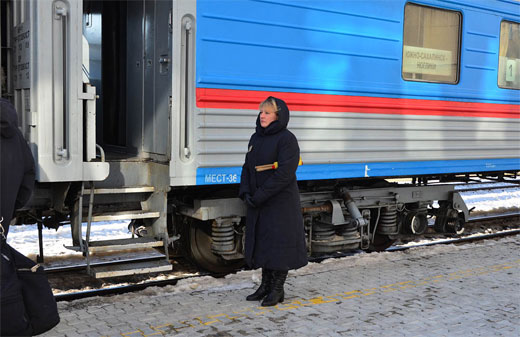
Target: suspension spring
x=348 y=232
x=388 y=221
x=322 y=231
x=222 y=236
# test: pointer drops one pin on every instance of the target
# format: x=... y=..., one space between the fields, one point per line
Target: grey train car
x=142 y=110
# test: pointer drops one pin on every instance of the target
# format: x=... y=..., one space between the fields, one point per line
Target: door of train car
x=130 y=64
x=45 y=82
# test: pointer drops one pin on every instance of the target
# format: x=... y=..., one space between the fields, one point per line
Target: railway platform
x=444 y=290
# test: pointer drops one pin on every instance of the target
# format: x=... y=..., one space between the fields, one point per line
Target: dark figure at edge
x=16 y=165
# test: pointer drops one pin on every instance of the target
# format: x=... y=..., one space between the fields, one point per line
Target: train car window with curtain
x=509 y=55
x=431 y=44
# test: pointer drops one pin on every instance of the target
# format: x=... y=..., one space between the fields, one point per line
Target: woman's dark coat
x=16 y=165
x=275 y=236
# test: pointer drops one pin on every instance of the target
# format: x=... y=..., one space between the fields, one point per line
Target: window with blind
x=509 y=55
x=431 y=44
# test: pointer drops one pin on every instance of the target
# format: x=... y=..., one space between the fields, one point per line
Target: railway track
x=184 y=269
x=467 y=239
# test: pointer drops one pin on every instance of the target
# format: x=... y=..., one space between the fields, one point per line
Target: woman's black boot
x=265 y=286
x=276 y=295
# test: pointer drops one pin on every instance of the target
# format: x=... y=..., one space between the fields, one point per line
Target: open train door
x=56 y=108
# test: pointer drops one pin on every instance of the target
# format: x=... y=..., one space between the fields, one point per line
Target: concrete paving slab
x=471 y=289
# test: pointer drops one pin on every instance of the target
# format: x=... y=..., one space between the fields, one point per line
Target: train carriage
x=142 y=110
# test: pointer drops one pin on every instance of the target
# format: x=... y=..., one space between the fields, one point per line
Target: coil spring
x=388 y=221
x=222 y=236
x=348 y=232
x=322 y=231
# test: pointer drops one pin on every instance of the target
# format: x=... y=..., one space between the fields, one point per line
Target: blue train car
x=145 y=110
x=376 y=88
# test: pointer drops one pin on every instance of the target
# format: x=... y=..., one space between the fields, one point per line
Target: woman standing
x=275 y=238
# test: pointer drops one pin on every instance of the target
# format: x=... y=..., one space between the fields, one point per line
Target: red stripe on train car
x=244 y=99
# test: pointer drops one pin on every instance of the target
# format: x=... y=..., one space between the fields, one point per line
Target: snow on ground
x=25 y=238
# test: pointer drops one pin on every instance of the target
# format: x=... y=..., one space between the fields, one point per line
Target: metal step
x=123 y=244
x=123 y=215
x=121 y=190
x=125 y=269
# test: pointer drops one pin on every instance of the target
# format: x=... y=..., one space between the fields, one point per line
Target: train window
x=509 y=55
x=431 y=44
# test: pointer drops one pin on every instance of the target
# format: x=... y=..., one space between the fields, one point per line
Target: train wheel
x=455 y=225
x=380 y=243
x=415 y=223
x=200 y=249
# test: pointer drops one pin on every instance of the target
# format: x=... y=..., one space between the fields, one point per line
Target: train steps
x=135 y=203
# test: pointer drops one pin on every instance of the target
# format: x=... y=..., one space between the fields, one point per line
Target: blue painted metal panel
x=341 y=47
x=345 y=48
x=231 y=175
